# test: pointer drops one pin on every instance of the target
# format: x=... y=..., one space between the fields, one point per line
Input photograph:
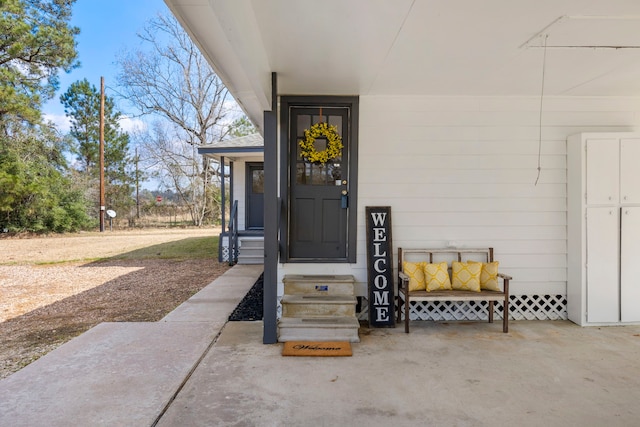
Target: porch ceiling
x=417 y=47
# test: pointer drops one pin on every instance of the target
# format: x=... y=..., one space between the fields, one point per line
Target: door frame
x=351 y=102
x=247 y=193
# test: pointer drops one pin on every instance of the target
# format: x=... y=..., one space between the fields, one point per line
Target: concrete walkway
x=459 y=374
x=123 y=374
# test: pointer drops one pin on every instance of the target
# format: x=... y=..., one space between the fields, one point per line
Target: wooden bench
x=440 y=255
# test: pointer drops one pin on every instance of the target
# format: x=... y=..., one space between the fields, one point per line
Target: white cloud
x=131 y=124
x=127 y=124
x=62 y=122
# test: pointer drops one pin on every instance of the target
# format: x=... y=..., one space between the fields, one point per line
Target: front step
x=251 y=250
x=298 y=284
x=318 y=308
x=318 y=329
x=250 y=259
x=318 y=305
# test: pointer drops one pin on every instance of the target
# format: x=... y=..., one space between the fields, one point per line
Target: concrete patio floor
x=195 y=369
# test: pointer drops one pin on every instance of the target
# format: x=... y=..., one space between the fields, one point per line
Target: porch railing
x=233 y=234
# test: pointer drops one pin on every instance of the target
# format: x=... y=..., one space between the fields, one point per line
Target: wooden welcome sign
x=379 y=267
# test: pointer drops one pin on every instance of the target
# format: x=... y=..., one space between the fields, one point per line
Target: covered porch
x=456 y=115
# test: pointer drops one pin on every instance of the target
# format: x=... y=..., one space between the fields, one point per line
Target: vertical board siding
x=461 y=170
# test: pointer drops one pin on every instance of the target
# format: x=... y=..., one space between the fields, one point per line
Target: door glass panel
x=320 y=144
x=303 y=173
x=299 y=149
x=335 y=172
x=337 y=122
x=316 y=119
x=304 y=122
x=318 y=175
x=257 y=181
x=315 y=174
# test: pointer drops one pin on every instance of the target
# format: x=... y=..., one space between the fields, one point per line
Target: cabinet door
x=630 y=265
x=603 y=280
x=629 y=171
x=603 y=171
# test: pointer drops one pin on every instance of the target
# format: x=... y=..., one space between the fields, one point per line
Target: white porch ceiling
x=417 y=47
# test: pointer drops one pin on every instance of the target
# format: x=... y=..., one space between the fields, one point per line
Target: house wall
x=461 y=171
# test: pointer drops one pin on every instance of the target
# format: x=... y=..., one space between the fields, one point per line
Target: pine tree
x=36 y=42
x=82 y=105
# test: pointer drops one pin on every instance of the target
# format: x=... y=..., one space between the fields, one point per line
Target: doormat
x=314 y=348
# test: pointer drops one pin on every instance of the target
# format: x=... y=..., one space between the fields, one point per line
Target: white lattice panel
x=538 y=307
x=521 y=307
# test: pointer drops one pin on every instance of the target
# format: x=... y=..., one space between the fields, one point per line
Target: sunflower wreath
x=334 y=144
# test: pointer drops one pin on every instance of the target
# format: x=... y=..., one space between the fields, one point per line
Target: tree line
x=49 y=178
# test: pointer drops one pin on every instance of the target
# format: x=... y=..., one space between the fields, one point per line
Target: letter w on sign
x=380 y=267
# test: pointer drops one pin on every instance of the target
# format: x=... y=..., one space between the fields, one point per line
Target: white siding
x=461 y=171
x=239 y=188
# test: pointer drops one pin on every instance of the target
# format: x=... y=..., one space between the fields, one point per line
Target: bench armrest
x=504 y=276
x=403 y=282
x=505 y=280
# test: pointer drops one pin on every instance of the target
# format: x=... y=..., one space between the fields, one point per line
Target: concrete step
x=318 y=329
x=255 y=252
x=251 y=250
x=318 y=305
x=250 y=259
x=251 y=242
x=251 y=254
x=298 y=284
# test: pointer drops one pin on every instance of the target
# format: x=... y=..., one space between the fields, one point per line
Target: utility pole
x=102 y=203
x=137 y=186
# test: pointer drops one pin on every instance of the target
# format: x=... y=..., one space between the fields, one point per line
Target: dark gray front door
x=255 y=196
x=319 y=194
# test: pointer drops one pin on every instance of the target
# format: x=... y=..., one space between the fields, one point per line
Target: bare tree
x=182 y=169
x=173 y=83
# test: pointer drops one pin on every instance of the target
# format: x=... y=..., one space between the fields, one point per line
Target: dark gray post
x=223 y=189
x=270 y=299
x=223 y=217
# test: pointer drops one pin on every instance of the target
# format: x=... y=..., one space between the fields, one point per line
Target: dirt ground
x=52 y=291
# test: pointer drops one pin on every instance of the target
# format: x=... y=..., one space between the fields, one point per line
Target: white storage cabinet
x=603 y=228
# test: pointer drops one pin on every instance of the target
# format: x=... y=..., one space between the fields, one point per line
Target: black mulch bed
x=250 y=308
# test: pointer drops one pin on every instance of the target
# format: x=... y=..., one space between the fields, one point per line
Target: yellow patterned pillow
x=489 y=276
x=415 y=271
x=437 y=276
x=466 y=276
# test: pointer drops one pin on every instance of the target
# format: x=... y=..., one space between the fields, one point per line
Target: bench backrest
x=440 y=255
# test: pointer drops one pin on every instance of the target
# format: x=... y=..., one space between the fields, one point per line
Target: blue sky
x=106 y=28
